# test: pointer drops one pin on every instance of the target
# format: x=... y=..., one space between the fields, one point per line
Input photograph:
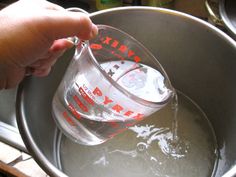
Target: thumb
x=62 y=24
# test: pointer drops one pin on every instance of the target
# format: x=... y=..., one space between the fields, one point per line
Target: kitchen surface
x=14 y=157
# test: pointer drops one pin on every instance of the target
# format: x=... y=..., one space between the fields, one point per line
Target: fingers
x=61 y=44
x=69 y=24
x=50 y=5
x=41 y=72
x=53 y=21
x=43 y=65
x=41 y=4
x=29 y=29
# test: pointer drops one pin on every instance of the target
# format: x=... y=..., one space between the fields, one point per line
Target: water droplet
x=142 y=147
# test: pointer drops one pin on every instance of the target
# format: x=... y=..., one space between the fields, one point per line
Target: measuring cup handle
x=77 y=9
x=75 y=40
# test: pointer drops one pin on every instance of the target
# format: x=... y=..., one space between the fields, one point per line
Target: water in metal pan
x=147 y=149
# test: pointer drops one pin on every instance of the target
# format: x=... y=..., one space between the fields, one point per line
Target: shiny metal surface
x=7 y=106
x=199 y=59
x=227 y=10
x=8 y=127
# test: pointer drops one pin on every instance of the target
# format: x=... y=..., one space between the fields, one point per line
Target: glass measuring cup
x=112 y=83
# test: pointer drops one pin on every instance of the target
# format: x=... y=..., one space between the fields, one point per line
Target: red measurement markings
x=98 y=92
x=68 y=118
x=80 y=104
x=138 y=117
x=85 y=96
x=128 y=113
x=117 y=107
x=137 y=59
x=96 y=46
x=107 y=40
x=130 y=53
x=74 y=111
x=114 y=43
x=123 y=48
x=107 y=100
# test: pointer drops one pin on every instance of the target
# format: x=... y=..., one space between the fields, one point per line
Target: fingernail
x=72 y=40
x=94 y=31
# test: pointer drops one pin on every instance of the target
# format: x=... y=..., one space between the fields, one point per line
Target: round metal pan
x=199 y=59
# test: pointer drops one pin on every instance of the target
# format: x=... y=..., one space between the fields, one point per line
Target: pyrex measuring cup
x=111 y=83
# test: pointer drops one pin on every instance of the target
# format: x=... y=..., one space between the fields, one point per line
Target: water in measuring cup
x=139 y=79
x=92 y=118
x=144 y=150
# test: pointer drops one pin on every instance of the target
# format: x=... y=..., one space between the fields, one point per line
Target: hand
x=33 y=35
